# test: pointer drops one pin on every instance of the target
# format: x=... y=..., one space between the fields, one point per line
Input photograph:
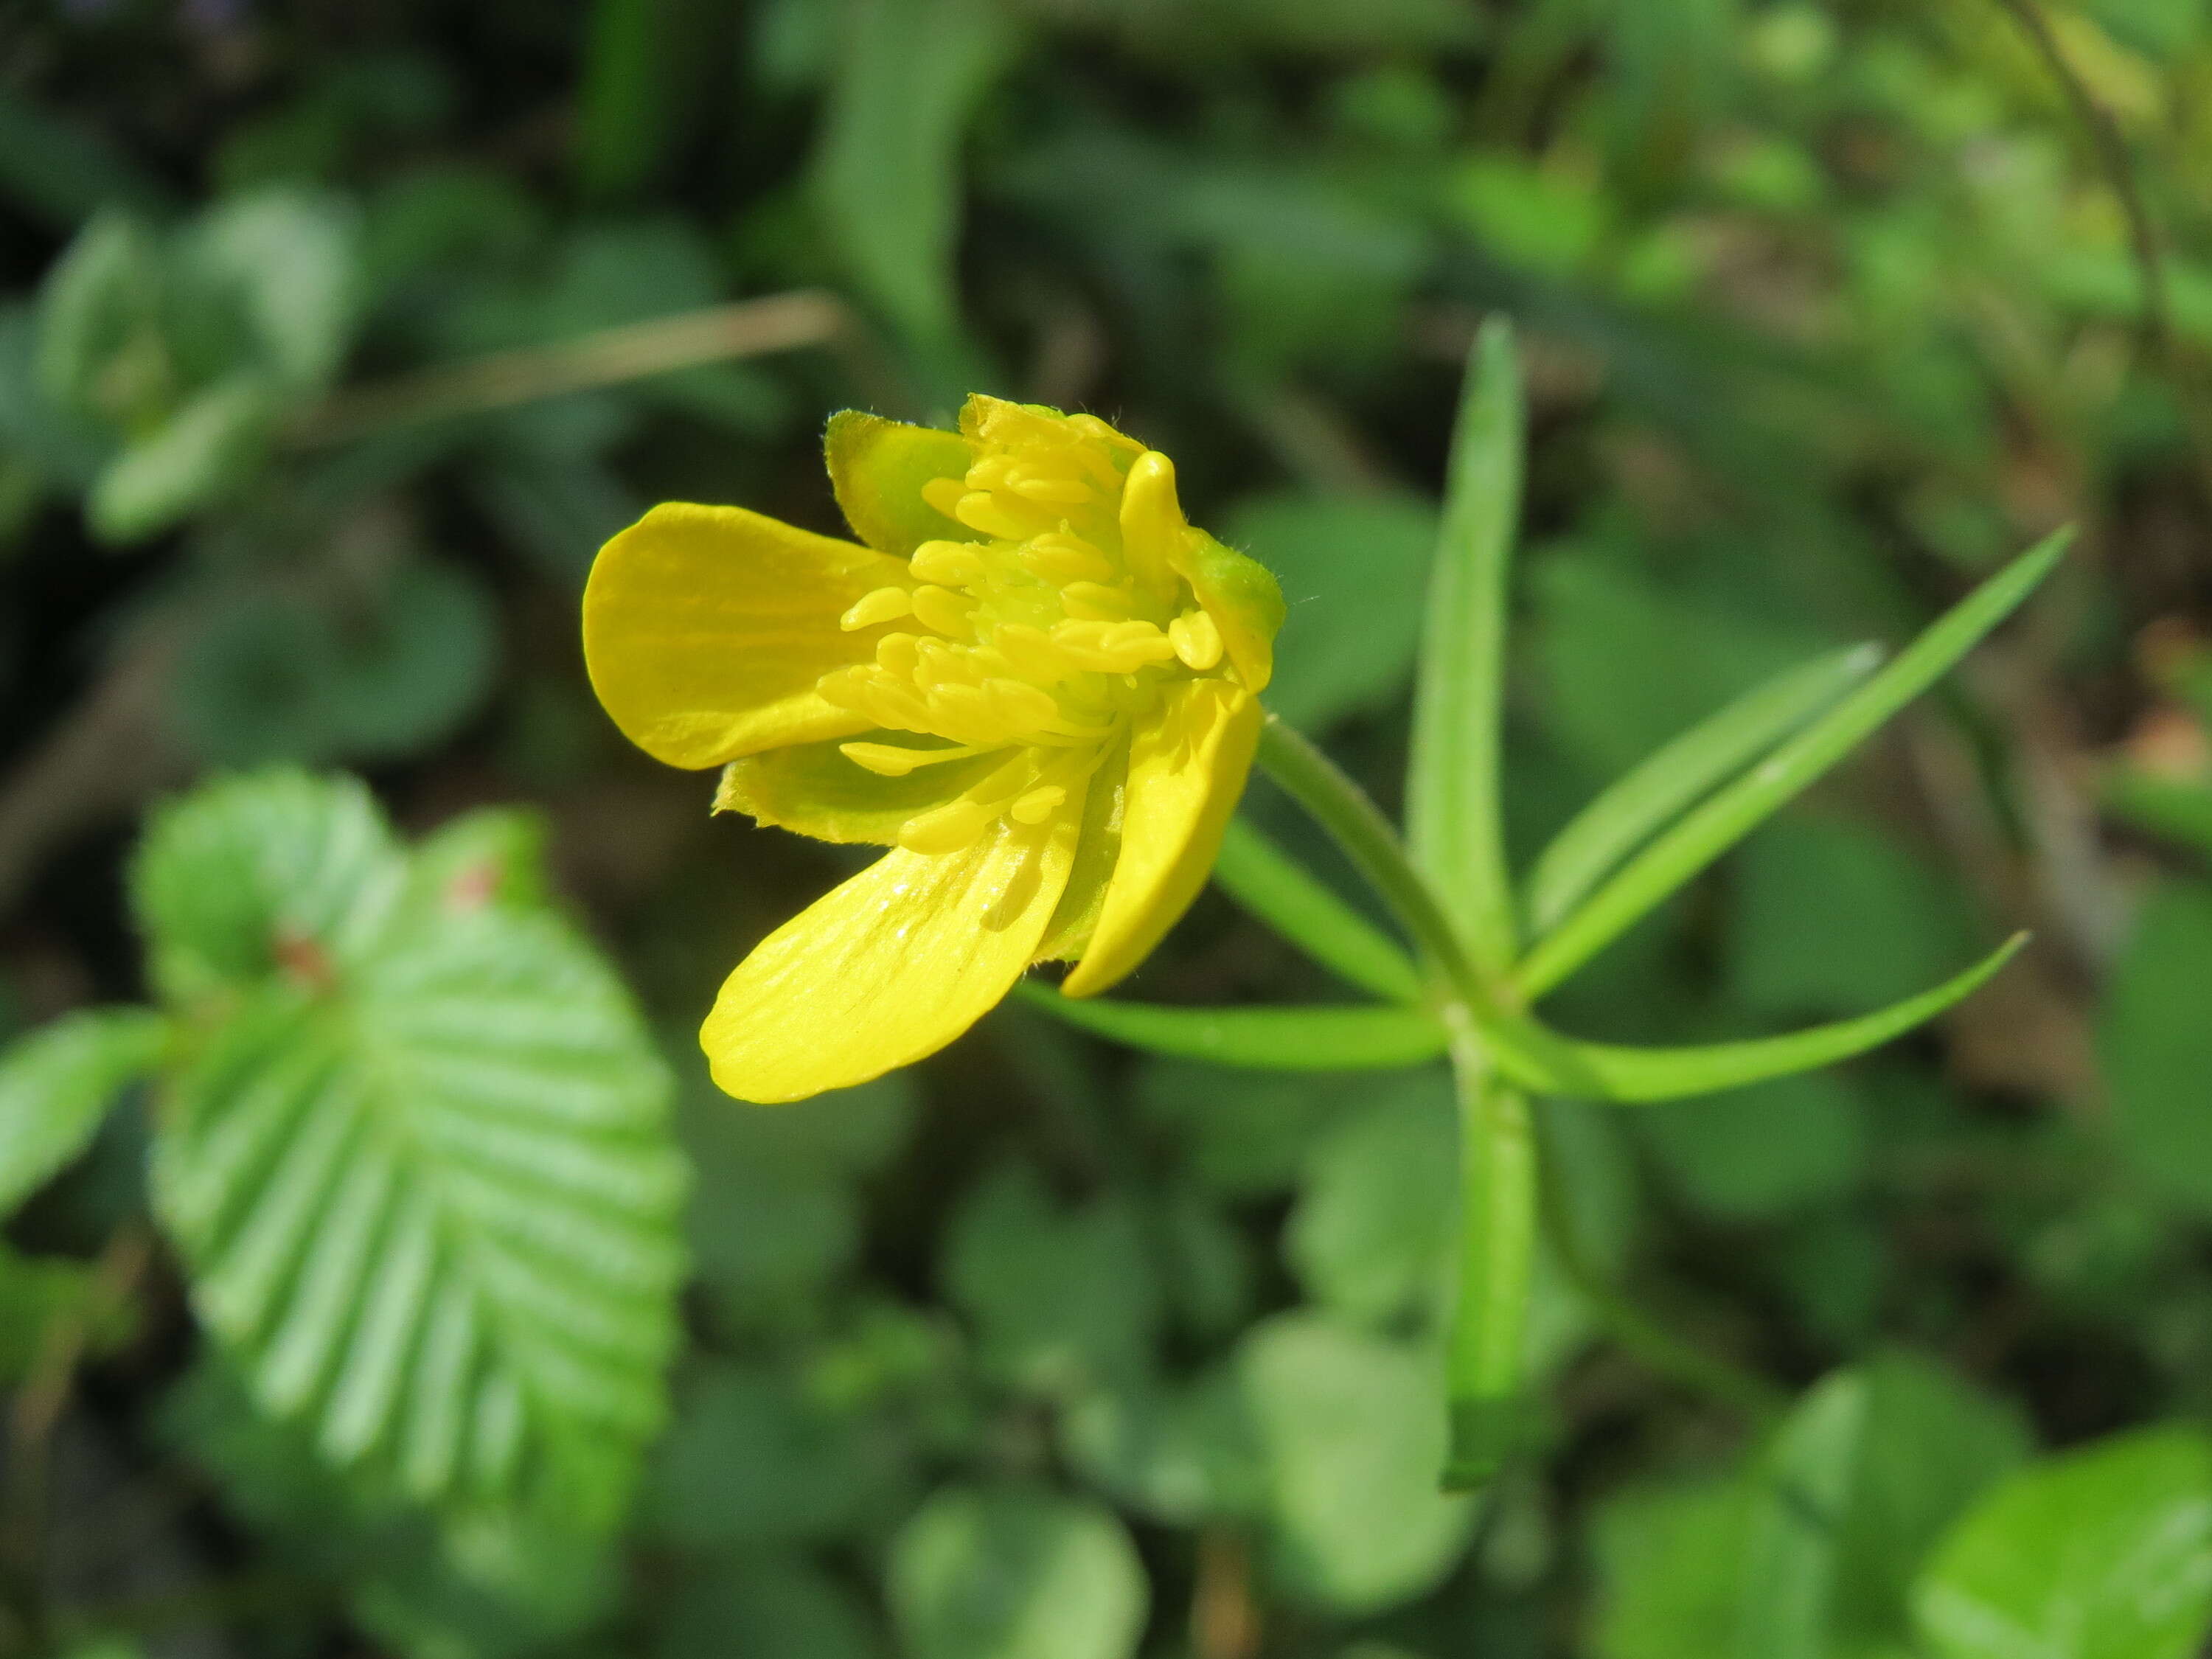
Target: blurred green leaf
x=205 y=451
x=643 y=63
x=1352 y=569
x=1353 y=1426
x=63 y=172
x=1243 y=1134
x=1011 y=1572
x=419 y=1172
x=1670 y=1563
x=1641 y=802
x=1274 y=886
x=1062 y=1297
x=100 y=349
x=1371 y=1235
x=277 y=676
x=470 y=1583
x=752 y=1460
x=2154 y=1034
x=1710 y=828
x=887 y=174
x=56 y=1084
x=768 y=1606
x=1765 y=1152
x=1455 y=823
x=2104 y=1553
x=1324 y=1038
x=282 y=267
x=1176 y=1453
x=36 y=1291
x=1829 y=914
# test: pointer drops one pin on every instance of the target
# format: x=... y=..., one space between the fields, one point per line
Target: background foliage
x=383 y=1271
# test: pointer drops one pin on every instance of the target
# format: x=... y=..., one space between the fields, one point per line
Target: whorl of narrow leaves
x=419 y=1165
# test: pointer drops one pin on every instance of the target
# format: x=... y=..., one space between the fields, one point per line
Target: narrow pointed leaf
x=1283 y=893
x=1640 y=803
x=1452 y=813
x=1327 y=1038
x=1630 y=1075
x=1709 y=830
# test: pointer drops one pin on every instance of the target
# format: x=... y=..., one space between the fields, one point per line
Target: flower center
x=1042 y=643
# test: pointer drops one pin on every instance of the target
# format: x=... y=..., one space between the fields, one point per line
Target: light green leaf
x=1711 y=829
x=203 y=451
x=56 y=1084
x=97 y=350
x=774 y=1606
x=1640 y=803
x=2154 y=1033
x=1371 y=1234
x=1669 y=1568
x=2101 y=1553
x=1353 y=1426
x=1279 y=891
x=1766 y=1151
x=1013 y=1572
x=1604 y=1071
x=1327 y=1038
x=1453 y=822
x=420 y=1173
x=1061 y=1298
x=887 y=176
x=285 y=262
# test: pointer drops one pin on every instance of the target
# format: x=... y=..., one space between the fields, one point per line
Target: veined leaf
x=1279 y=891
x=1725 y=819
x=1636 y=804
x=56 y=1085
x=1452 y=815
x=1326 y=1038
x=419 y=1174
x=1601 y=1071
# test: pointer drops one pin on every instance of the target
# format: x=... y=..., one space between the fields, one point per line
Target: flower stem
x=1484 y=1349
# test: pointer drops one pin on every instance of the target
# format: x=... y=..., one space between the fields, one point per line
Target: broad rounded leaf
x=1012 y=1573
x=2103 y=1553
x=55 y=1086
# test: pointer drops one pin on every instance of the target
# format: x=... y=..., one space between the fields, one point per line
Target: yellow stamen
x=941 y=609
x=1197 y=641
x=884 y=604
x=888 y=760
x=948 y=564
x=1038 y=805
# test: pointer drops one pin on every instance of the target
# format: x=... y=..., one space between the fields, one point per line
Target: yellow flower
x=1035 y=682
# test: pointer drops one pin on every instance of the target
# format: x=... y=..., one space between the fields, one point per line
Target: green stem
x=1485 y=1347
x=1498 y=1233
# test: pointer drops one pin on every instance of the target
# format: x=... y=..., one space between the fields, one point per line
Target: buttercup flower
x=1035 y=682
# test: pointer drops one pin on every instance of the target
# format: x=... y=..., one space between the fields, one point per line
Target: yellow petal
x=1187 y=768
x=812 y=789
x=878 y=468
x=890 y=967
x=1096 y=851
x=706 y=628
x=1242 y=596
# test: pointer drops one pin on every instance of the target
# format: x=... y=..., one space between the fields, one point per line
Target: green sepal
x=878 y=468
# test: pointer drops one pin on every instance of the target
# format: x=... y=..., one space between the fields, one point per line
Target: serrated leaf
x=1726 y=817
x=1454 y=827
x=420 y=1172
x=2103 y=1553
x=1279 y=891
x=1637 y=805
x=1325 y=1038
x=55 y=1086
x=1013 y=1572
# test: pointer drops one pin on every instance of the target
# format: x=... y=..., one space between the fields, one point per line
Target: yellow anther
x=1097 y=602
x=1038 y=805
x=944 y=493
x=1152 y=524
x=994 y=515
x=884 y=604
x=899 y=654
x=1022 y=706
x=1059 y=556
x=962 y=711
x=942 y=609
x=1197 y=641
x=1031 y=653
x=888 y=760
x=1053 y=492
x=1113 y=648
x=945 y=828
x=948 y=564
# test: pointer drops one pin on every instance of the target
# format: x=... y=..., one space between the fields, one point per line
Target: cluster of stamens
x=1040 y=642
